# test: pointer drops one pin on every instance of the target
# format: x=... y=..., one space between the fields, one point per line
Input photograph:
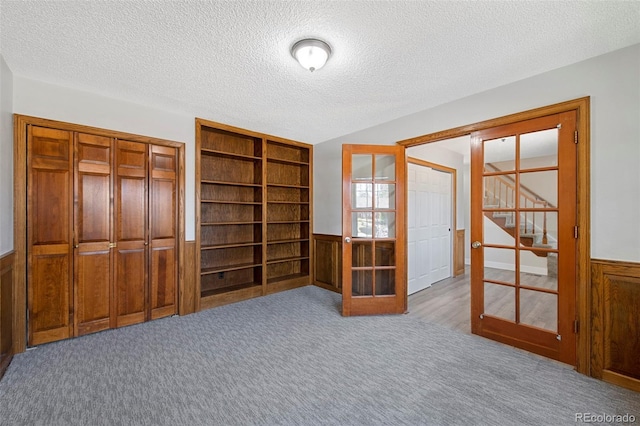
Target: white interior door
x=418 y=229
x=440 y=224
x=429 y=226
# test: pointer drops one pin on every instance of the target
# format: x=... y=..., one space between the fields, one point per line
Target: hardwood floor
x=448 y=302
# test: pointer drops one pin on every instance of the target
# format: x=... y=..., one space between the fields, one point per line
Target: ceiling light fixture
x=311 y=53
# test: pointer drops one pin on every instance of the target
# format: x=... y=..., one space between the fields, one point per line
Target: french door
x=523 y=233
x=373 y=230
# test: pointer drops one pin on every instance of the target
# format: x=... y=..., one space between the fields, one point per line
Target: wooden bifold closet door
x=92 y=258
x=131 y=240
x=102 y=225
x=49 y=233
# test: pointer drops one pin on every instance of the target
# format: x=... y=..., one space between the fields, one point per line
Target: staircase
x=529 y=235
x=500 y=193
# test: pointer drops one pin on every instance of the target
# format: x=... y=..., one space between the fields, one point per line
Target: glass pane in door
x=500 y=265
x=539 y=190
x=500 y=154
x=539 y=309
x=385 y=225
x=539 y=269
x=361 y=195
x=362 y=253
x=385 y=282
x=362 y=166
x=362 y=282
x=494 y=226
x=500 y=301
x=385 y=167
x=385 y=253
x=539 y=149
x=385 y=196
x=500 y=191
x=362 y=224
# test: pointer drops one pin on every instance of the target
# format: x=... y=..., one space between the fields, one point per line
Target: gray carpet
x=291 y=359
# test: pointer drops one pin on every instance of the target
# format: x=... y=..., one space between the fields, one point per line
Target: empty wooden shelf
x=253 y=227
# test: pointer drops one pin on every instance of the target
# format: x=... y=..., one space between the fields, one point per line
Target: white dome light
x=311 y=53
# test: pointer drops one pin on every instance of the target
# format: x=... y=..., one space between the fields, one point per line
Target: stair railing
x=501 y=189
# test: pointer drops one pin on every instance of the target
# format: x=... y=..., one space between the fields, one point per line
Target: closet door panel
x=163 y=230
x=130 y=205
x=49 y=234
x=92 y=214
x=130 y=292
x=163 y=280
x=92 y=279
x=49 y=294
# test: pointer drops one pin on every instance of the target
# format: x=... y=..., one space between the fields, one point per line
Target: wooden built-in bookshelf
x=253 y=224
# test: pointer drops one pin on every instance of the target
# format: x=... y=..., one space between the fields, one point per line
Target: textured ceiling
x=229 y=61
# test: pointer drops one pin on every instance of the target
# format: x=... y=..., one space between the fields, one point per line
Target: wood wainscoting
x=188 y=296
x=615 y=322
x=328 y=261
x=6 y=310
x=327 y=250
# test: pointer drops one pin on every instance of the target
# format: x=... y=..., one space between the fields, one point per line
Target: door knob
x=476 y=244
x=347 y=239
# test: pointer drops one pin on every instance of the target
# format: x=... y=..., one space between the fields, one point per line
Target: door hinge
x=576 y=326
x=575 y=232
x=575 y=137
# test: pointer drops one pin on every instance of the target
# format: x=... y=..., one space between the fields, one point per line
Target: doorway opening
x=438 y=205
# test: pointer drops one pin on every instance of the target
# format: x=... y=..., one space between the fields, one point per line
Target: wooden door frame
x=20 y=123
x=583 y=272
x=454 y=204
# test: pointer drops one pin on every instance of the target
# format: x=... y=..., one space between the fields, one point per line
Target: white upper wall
x=39 y=99
x=613 y=83
x=6 y=159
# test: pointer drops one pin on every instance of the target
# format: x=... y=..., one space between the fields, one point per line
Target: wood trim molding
x=200 y=122
x=458 y=257
x=19 y=233
x=196 y=250
x=6 y=310
x=20 y=123
x=615 y=288
x=327 y=272
x=432 y=165
x=583 y=270
x=72 y=127
x=495 y=122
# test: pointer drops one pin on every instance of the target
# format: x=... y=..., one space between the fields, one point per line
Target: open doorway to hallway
x=438 y=281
